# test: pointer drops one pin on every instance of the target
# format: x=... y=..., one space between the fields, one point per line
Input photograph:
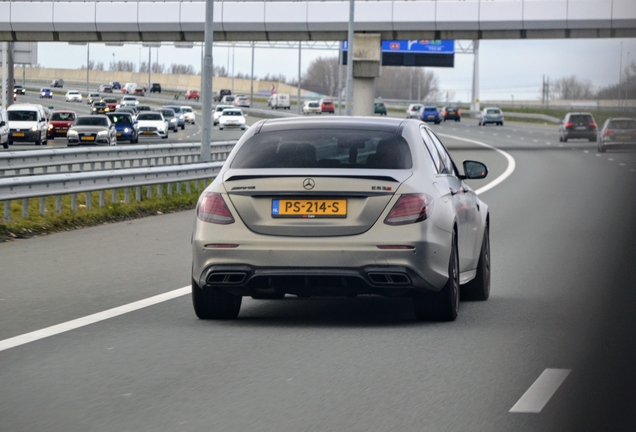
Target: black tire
x=183 y=127
x=458 y=120
x=560 y=138
x=592 y=139
x=565 y=138
x=38 y=141
x=443 y=305
x=478 y=289
x=601 y=149
x=213 y=303
x=5 y=145
x=220 y=128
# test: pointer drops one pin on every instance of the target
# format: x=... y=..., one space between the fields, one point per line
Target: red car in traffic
x=192 y=94
x=326 y=105
x=60 y=123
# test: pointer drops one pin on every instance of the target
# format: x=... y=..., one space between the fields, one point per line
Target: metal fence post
x=42 y=206
x=7 y=211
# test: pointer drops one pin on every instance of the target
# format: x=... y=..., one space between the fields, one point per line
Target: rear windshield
x=63 y=116
x=622 y=124
x=581 y=118
x=166 y=113
x=430 y=109
x=221 y=108
x=110 y=101
x=336 y=148
x=186 y=109
x=23 y=116
x=91 y=121
x=493 y=111
x=149 y=116
x=176 y=109
x=120 y=118
x=46 y=90
x=232 y=113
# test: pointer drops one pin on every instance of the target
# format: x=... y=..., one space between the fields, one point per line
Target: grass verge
x=114 y=210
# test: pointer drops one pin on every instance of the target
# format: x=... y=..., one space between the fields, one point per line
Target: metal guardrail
x=101 y=158
x=42 y=186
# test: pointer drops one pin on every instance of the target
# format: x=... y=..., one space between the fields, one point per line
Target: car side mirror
x=474 y=170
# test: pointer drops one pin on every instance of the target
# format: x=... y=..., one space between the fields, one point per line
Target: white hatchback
x=232 y=118
x=73 y=96
x=189 y=115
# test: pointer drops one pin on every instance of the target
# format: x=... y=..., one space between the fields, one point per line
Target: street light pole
x=88 y=64
x=350 y=58
x=206 y=81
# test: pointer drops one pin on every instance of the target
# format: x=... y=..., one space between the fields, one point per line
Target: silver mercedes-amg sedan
x=341 y=206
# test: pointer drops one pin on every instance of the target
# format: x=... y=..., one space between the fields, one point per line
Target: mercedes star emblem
x=309 y=183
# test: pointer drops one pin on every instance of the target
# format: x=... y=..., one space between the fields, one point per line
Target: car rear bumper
x=619 y=144
x=581 y=134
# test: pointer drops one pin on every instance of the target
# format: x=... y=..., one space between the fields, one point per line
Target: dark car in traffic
x=617 y=133
x=155 y=88
x=222 y=93
x=125 y=127
x=59 y=124
x=57 y=83
x=579 y=125
x=379 y=108
x=92 y=130
x=451 y=112
x=99 y=107
x=430 y=114
x=115 y=85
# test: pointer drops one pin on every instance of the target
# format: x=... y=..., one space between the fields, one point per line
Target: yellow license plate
x=18 y=134
x=149 y=133
x=118 y=134
x=88 y=138
x=309 y=208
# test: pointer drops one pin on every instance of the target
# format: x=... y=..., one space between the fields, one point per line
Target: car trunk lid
x=311 y=204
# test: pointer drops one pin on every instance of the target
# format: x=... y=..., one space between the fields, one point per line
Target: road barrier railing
x=102 y=158
x=42 y=186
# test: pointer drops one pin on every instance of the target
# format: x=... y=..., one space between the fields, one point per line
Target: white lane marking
x=90 y=319
x=540 y=392
x=502 y=177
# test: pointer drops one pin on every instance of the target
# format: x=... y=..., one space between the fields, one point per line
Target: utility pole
x=4 y=74
x=206 y=80
x=252 y=83
x=10 y=73
x=88 y=64
x=340 y=78
x=300 y=45
x=620 y=76
x=350 y=58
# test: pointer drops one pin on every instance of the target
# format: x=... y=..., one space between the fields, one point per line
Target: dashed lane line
x=541 y=391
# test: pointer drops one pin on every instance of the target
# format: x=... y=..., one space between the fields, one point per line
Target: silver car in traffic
x=341 y=207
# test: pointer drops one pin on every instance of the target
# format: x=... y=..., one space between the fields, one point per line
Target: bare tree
x=122 y=66
x=92 y=65
x=181 y=69
x=322 y=76
x=407 y=83
x=572 y=88
x=627 y=87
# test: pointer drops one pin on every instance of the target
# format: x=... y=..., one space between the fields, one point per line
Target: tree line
x=573 y=88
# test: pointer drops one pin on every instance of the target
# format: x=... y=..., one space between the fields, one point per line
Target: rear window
x=166 y=113
x=335 y=148
x=23 y=115
x=622 y=124
x=581 y=118
x=430 y=109
x=91 y=121
x=149 y=116
x=63 y=116
x=120 y=118
x=232 y=113
x=493 y=111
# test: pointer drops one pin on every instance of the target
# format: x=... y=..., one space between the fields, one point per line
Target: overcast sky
x=508 y=68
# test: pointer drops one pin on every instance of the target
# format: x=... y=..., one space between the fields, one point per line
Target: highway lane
x=561 y=266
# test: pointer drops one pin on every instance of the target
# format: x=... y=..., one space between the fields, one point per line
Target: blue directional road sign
x=436 y=53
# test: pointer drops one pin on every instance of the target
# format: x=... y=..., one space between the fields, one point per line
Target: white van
x=4 y=128
x=279 y=100
x=27 y=122
x=129 y=88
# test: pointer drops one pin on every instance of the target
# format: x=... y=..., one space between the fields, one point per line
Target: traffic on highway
x=284 y=258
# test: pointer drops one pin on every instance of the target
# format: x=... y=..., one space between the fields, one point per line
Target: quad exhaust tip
x=226 y=278
x=389 y=278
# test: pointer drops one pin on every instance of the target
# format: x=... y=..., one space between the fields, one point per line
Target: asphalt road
x=562 y=300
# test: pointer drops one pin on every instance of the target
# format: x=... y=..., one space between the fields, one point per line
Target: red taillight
x=459 y=112
x=410 y=209
x=569 y=125
x=592 y=124
x=608 y=132
x=445 y=113
x=212 y=208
